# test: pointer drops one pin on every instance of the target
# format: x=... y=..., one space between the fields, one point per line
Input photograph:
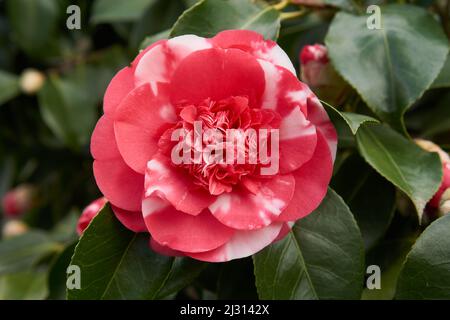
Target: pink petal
x=139 y=122
x=217 y=74
x=241 y=209
x=132 y=220
x=298 y=141
x=183 y=232
x=283 y=91
x=241 y=245
x=319 y=117
x=285 y=229
x=89 y=213
x=159 y=62
x=121 y=185
x=118 y=88
x=176 y=186
x=311 y=183
x=254 y=43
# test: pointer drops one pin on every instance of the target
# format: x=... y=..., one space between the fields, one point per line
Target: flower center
x=220 y=142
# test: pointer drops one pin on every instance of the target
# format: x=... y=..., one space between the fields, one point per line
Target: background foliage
x=399 y=77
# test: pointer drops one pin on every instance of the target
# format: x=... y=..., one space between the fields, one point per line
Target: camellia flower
x=18 y=200
x=89 y=213
x=437 y=200
x=319 y=74
x=211 y=210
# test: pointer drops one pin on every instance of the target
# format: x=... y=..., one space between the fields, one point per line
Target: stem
x=292 y=15
x=281 y=5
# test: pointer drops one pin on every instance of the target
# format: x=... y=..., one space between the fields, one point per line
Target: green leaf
x=208 y=17
x=26 y=285
x=9 y=86
x=321 y=258
x=387 y=66
x=24 y=251
x=443 y=79
x=426 y=272
x=353 y=120
x=116 y=263
x=68 y=110
x=416 y=172
x=118 y=10
x=58 y=273
x=371 y=198
x=33 y=23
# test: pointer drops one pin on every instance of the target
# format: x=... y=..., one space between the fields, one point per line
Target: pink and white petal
x=285 y=229
x=164 y=250
x=283 y=91
x=159 y=62
x=311 y=183
x=121 y=185
x=176 y=186
x=243 y=210
x=217 y=74
x=118 y=88
x=183 y=232
x=139 y=122
x=254 y=43
x=132 y=220
x=298 y=141
x=319 y=117
x=241 y=245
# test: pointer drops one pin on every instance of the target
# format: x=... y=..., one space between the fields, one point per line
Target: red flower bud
x=89 y=213
x=17 y=201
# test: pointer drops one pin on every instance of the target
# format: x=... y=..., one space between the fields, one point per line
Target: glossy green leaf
x=321 y=258
x=353 y=120
x=116 y=263
x=416 y=172
x=25 y=285
x=443 y=79
x=9 y=86
x=371 y=198
x=68 y=110
x=33 y=23
x=24 y=251
x=208 y=17
x=426 y=272
x=118 y=10
x=379 y=63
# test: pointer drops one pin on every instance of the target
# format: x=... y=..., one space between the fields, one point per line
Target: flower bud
x=89 y=213
x=19 y=200
x=429 y=146
x=14 y=228
x=319 y=74
x=31 y=81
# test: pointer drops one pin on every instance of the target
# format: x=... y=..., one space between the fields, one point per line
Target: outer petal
x=298 y=141
x=254 y=43
x=183 y=232
x=132 y=220
x=176 y=186
x=242 y=244
x=159 y=63
x=283 y=91
x=165 y=251
x=118 y=88
x=241 y=209
x=119 y=183
x=217 y=74
x=319 y=117
x=139 y=122
x=311 y=183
